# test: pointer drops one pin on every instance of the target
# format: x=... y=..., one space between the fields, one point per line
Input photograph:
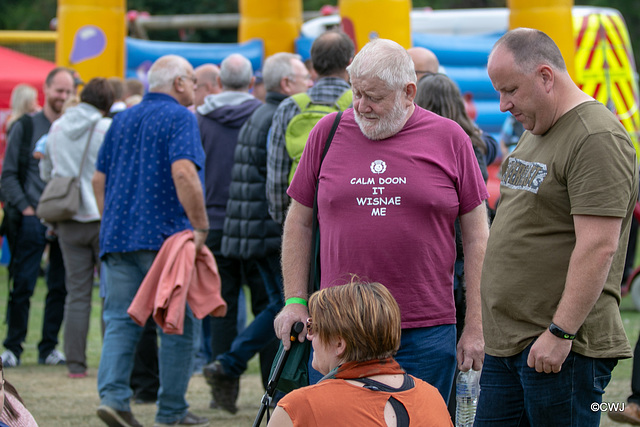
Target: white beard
x=387 y=125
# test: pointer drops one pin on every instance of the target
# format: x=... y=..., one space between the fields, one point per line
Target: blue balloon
x=88 y=43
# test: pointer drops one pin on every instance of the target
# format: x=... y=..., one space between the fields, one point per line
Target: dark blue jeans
x=260 y=332
x=30 y=246
x=233 y=274
x=512 y=394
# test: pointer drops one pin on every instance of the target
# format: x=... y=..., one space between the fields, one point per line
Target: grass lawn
x=57 y=401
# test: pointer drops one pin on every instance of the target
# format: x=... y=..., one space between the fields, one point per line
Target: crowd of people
x=396 y=187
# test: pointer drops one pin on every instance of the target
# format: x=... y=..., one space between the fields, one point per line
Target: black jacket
x=249 y=232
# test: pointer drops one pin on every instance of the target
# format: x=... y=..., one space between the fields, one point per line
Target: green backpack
x=301 y=124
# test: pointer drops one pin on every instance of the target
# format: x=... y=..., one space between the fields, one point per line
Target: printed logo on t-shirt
x=523 y=175
x=378 y=166
x=381 y=188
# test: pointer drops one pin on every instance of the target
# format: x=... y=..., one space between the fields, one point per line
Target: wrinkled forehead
x=371 y=84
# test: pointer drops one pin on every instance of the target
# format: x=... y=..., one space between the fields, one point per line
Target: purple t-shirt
x=387 y=208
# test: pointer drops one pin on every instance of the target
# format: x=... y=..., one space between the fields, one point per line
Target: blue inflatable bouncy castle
x=142 y=53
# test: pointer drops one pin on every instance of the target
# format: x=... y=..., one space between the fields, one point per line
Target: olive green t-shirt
x=584 y=165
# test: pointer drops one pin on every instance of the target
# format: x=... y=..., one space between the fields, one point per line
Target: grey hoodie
x=66 y=143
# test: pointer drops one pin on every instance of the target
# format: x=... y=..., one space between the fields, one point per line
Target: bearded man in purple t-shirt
x=391 y=186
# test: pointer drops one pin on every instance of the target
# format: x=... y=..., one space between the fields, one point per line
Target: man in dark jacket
x=220 y=119
x=22 y=186
x=250 y=233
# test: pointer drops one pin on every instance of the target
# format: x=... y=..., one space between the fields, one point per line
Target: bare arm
x=475 y=232
x=280 y=418
x=296 y=253
x=185 y=177
x=98 y=182
x=596 y=243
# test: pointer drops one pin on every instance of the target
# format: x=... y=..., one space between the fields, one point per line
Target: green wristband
x=296 y=300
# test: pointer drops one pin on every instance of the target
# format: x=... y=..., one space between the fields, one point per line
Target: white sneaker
x=54 y=358
x=9 y=360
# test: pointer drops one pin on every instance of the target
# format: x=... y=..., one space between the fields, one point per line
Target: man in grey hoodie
x=22 y=186
x=220 y=119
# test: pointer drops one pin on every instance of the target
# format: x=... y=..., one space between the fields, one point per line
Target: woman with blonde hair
x=355 y=331
x=24 y=100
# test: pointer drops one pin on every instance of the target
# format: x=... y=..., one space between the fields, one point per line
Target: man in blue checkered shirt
x=331 y=53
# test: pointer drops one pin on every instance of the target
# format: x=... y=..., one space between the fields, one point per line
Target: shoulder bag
x=60 y=199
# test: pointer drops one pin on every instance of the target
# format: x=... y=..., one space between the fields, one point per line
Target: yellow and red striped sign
x=604 y=66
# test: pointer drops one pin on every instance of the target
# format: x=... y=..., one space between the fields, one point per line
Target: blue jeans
x=30 y=245
x=123 y=274
x=260 y=332
x=430 y=354
x=425 y=353
x=513 y=394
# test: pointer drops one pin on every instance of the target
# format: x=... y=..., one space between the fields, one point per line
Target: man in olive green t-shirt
x=553 y=266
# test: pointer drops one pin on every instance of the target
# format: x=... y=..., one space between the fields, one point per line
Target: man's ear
x=178 y=84
x=410 y=91
x=284 y=85
x=547 y=75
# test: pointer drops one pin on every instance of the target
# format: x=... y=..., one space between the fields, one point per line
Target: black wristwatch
x=557 y=331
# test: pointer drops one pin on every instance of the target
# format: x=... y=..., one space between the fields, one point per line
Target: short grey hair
x=236 y=72
x=276 y=67
x=530 y=48
x=386 y=60
x=164 y=71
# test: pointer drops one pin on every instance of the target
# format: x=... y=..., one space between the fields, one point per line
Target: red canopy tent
x=19 y=68
x=16 y=68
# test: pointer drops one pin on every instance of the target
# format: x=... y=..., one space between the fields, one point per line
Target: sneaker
x=9 y=360
x=114 y=418
x=188 y=420
x=54 y=358
x=224 y=388
x=630 y=415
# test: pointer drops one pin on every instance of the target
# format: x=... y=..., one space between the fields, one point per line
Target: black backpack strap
x=370 y=384
x=314 y=267
x=401 y=412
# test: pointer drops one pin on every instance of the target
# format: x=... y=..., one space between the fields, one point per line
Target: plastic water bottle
x=467 y=392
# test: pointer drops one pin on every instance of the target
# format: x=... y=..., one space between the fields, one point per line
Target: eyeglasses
x=309 y=326
x=304 y=76
x=192 y=78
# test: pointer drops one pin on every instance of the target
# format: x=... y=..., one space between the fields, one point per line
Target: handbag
x=60 y=200
x=295 y=373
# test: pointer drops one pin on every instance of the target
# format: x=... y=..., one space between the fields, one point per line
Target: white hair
x=386 y=60
x=236 y=72
x=164 y=71
x=276 y=67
